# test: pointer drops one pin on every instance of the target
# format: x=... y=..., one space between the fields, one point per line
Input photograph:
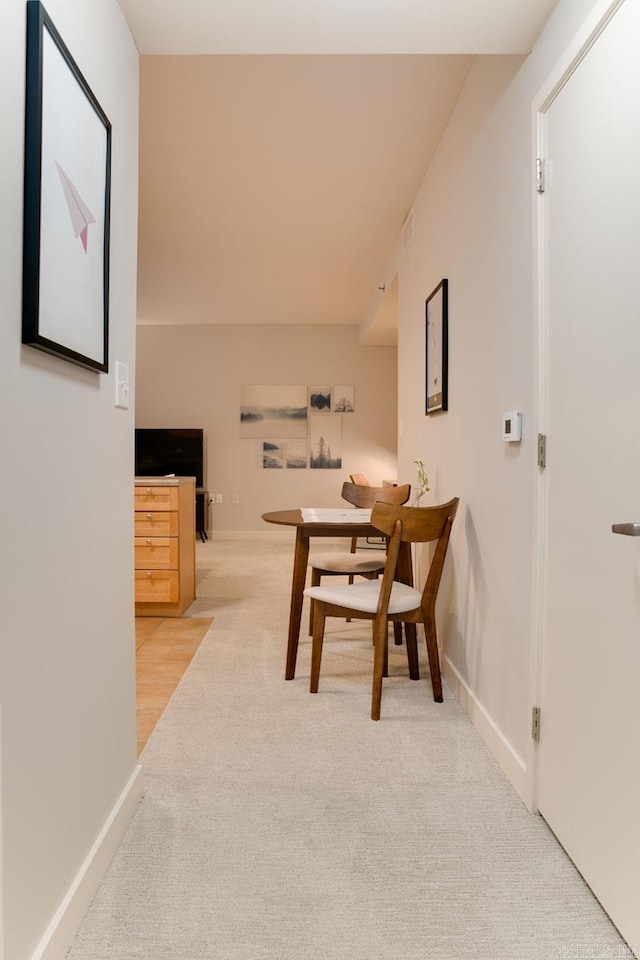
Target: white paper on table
x=331 y=515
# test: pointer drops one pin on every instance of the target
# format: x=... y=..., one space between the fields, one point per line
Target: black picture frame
x=437 y=349
x=67 y=195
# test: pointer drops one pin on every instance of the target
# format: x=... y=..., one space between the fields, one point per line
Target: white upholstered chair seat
x=364 y=595
x=349 y=563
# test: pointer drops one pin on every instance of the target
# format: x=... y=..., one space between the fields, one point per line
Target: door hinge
x=540 y=174
x=535 y=724
x=542 y=450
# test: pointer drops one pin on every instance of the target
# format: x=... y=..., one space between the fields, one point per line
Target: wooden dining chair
x=392 y=598
x=367 y=564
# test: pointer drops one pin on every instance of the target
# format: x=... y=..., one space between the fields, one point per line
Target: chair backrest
x=414 y=525
x=418 y=524
x=366 y=497
x=360 y=479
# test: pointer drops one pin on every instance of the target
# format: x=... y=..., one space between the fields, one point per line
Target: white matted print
x=273 y=411
x=344 y=399
x=272 y=455
x=325 y=441
x=319 y=399
x=296 y=454
x=67 y=202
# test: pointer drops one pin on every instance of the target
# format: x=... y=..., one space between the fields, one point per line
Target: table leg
x=404 y=569
x=404 y=573
x=411 y=639
x=300 y=559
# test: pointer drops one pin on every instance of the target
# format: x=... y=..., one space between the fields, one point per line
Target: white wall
x=473 y=225
x=190 y=376
x=67 y=654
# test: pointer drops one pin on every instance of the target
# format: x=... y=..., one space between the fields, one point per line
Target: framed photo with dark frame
x=67 y=183
x=437 y=348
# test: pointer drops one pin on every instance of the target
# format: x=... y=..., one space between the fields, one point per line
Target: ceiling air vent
x=407 y=232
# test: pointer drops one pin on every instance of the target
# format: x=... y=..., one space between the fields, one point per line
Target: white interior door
x=589 y=756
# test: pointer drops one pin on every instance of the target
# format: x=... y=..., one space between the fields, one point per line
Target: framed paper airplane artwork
x=65 y=301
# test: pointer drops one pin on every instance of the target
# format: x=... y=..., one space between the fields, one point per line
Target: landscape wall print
x=320 y=399
x=292 y=454
x=273 y=411
x=325 y=441
x=343 y=400
x=272 y=455
x=293 y=414
x=296 y=456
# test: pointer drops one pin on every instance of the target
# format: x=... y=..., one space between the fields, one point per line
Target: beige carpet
x=277 y=825
x=164 y=649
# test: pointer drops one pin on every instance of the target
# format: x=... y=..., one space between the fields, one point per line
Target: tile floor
x=164 y=648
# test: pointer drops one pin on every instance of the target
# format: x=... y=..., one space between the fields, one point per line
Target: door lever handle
x=626 y=529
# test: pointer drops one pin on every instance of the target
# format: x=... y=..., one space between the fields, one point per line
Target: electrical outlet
x=235 y=498
x=218 y=498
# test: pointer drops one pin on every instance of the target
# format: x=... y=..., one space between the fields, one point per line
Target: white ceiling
x=273 y=188
x=336 y=26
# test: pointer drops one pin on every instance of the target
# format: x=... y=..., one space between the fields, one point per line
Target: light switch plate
x=122 y=385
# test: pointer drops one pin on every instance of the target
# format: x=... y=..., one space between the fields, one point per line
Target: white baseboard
x=59 y=935
x=510 y=761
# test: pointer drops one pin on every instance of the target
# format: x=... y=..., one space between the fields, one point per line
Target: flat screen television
x=159 y=452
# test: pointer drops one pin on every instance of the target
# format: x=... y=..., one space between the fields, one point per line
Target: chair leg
x=315 y=582
x=354 y=547
x=385 y=666
x=412 y=650
x=434 y=660
x=397 y=633
x=319 y=618
x=348 y=620
x=380 y=634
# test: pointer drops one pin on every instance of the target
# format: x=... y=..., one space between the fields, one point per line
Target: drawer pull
x=149 y=574
x=149 y=489
x=148 y=542
x=149 y=516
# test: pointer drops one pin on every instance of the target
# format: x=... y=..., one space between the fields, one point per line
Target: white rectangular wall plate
x=122 y=385
x=512 y=426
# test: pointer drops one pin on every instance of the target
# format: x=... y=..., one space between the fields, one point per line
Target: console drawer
x=156 y=498
x=151 y=524
x=156 y=553
x=157 y=586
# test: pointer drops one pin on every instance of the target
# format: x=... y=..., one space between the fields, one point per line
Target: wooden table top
x=293 y=518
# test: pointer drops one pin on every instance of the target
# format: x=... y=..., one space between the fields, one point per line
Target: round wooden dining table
x=305 y=529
